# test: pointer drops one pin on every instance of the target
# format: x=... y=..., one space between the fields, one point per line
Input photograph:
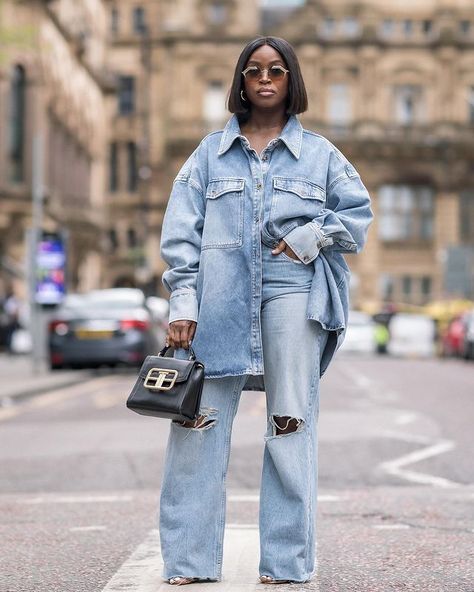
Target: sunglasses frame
x=267 y=70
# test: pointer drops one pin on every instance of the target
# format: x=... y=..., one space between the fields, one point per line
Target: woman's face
x=265 y=92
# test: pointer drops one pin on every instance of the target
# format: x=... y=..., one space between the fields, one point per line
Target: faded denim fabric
x=226 y=199
x=193 y=491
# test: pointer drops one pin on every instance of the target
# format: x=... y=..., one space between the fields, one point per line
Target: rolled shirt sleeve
x=342 y=225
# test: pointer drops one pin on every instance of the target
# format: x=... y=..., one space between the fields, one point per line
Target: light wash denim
x=193 y=494
x=225 y=199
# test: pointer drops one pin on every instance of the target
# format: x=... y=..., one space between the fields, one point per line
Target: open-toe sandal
x=269 y=580
x=180 y=581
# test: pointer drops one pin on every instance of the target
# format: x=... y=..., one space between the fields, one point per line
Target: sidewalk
x=18 y=380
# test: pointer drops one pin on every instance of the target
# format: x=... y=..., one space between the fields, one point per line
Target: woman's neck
x=260 y=121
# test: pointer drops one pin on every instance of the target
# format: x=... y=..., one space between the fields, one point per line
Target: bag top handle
x=163 y=352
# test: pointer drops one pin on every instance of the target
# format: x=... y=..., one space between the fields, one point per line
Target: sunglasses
x=275 y=73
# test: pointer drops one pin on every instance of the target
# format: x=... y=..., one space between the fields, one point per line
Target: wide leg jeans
x=193 y=493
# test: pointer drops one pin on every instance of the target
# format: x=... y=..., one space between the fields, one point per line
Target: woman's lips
x=266 y=93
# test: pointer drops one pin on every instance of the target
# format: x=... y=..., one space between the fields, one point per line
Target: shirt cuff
x=183 y=305
x=307 y=240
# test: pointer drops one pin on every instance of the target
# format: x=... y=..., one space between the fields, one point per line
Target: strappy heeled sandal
x=269 y=580
x=180 y=581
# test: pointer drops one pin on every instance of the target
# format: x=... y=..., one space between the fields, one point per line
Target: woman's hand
x=180 y=334
x=283 y=247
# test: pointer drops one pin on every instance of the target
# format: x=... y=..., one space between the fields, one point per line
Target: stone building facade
x=53 y=88
x=125 y=89
x=391 y=84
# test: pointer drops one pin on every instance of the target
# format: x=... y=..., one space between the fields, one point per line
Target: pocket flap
x=301 y=187
x=218 y=187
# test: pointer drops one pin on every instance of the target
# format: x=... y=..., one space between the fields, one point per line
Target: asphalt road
x=80 y=477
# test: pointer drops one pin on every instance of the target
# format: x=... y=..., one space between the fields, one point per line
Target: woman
x=254 y=234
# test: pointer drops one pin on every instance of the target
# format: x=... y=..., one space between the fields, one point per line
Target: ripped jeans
x=193 y=493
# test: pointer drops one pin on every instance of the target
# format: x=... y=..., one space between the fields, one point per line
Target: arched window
x=17 y=123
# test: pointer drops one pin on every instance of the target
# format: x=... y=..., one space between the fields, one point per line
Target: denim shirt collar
x=291 y=135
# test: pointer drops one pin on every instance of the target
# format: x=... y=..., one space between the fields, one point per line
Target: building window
x=426 y=286
x=132 y=175
x=328 y=27
x=114 y=20
x=388 y=28
x=427 y=27
x=350 y=26
x=387 y=286
x=406 y=213
x=139 y=21
x=406 y=286
x=113 y=167
x=470 y=103
x=339 y=104
x=465 y=28
x=466 y=213
x=408 y=107
x=113 y=240
x=126 y=95
x=217 y=13
x=407 y=28
x=17 y=123
x=214 y=109
x=131 y=238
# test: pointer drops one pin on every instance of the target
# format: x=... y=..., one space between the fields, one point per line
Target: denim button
x=259 y=186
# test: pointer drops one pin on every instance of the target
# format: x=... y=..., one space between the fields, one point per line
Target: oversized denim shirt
x=214 y=224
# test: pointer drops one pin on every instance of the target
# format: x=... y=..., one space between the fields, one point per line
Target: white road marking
x=86 y=528
x=390 y=526
x=142 y=571
x=255 y=497
x=405 y=418
x=395 y=466
x=77 y=499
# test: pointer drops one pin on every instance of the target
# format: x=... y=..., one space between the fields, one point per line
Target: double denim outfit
x=256 y=312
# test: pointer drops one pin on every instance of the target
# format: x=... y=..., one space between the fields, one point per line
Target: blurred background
x=101 y=101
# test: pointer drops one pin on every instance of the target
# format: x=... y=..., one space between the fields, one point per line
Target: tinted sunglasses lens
x=253 y=73
x=276 y=73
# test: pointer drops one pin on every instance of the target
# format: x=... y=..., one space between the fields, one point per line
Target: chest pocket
x=224 y=219
x=294 y=198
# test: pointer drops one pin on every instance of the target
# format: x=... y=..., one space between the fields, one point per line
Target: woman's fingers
x=279 y=248
x=180 y=333
x=283 y=247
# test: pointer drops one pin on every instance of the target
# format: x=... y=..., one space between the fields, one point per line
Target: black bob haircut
x=297 y=101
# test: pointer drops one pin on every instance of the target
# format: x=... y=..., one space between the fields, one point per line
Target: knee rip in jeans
x=284 y=424
x=203 y=421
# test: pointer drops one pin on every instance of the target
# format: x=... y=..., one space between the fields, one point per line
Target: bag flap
x=183 y=367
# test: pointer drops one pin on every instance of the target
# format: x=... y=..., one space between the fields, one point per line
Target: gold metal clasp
x=160 y=379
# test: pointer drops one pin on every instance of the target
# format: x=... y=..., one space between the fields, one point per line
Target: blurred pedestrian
x=382 y=337
x=254 y=234
x=11 y=309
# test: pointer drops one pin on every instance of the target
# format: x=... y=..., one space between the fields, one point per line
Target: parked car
x=411 y=335
x=110 y=327
x=360 y=333
x=468 y=338
x=452 y=340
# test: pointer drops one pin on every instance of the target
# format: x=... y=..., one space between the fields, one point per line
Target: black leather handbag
x=168 y=387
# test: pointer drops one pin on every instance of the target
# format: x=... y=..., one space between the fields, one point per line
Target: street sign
x=50 y=284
